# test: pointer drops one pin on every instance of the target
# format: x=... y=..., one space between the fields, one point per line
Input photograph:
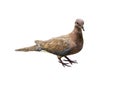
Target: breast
x=78 y=46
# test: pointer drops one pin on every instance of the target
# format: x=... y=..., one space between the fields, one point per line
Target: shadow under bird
x=61 y=46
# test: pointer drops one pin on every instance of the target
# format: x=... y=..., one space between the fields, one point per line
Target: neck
x=77 y=34
x=77 y=30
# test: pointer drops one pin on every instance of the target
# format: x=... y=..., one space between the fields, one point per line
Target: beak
x=80 y=27
x=83 y=28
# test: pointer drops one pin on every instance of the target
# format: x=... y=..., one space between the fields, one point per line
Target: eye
x=77 y=23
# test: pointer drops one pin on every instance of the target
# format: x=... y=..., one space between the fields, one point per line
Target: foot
x=64 y=64
x=71 y=61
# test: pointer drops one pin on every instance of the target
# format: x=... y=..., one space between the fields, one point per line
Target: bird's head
x=79 y=23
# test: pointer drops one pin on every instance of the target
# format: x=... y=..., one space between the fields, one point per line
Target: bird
x=61 y=46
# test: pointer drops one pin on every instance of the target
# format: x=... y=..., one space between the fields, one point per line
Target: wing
x=59 y=46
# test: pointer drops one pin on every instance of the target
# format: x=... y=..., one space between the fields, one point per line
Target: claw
x=64 y=64
x=71 y=61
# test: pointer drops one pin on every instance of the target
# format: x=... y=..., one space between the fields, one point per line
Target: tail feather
x=31 y=48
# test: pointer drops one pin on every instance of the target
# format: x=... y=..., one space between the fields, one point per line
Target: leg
x=64 y=64
x=70 y=60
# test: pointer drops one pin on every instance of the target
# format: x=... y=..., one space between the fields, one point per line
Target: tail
x=31 y=48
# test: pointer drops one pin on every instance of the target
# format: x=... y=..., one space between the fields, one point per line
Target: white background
x=23 y=21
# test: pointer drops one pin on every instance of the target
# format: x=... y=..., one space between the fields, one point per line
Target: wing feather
x=59 y=46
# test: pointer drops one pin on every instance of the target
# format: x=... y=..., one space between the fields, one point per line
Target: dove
x=62 y=46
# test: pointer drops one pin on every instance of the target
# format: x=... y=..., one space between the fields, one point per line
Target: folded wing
x=59 y=46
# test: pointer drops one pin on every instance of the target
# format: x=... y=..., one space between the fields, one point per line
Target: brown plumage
x=61 y=46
